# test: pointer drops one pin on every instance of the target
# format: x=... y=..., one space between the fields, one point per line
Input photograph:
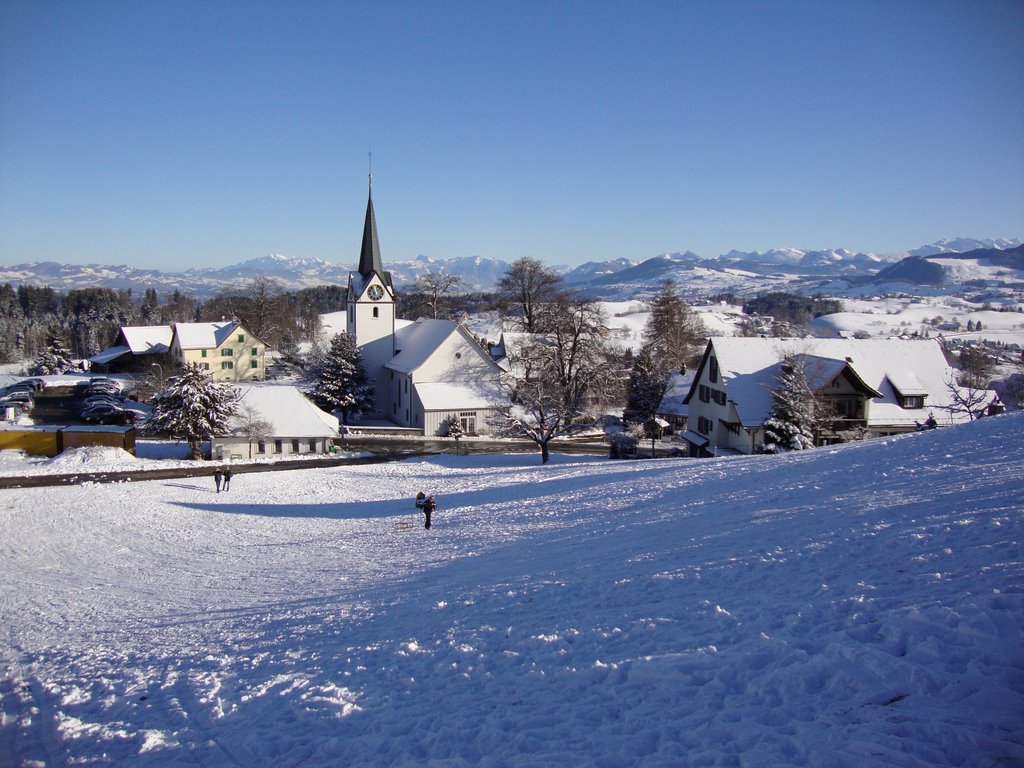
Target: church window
x=376 y=311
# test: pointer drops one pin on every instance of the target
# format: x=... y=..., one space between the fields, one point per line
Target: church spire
x=369 y=255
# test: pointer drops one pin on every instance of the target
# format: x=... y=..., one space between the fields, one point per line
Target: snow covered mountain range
x=836 y=270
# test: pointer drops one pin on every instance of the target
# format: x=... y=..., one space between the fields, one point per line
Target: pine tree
x=791 y=424
x=455 y=430
x=55 y=359
x=340 y=383
x=193 y=407
x=646 y=389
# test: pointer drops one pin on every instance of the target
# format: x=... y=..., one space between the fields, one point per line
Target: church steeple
x=369 y=255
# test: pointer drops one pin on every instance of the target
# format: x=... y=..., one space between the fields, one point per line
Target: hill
x=856 y=605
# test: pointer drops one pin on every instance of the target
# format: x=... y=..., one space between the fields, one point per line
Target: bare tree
x=249 y=423
x=967 y=399
x=527 y=286
x=436 y=287
x=560 y=375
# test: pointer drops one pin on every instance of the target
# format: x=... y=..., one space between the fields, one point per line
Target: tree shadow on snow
x=341 y=511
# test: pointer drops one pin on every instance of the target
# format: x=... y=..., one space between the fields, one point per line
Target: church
x=424 y=372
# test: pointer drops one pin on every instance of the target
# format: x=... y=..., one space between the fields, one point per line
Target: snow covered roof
x=675 y=393
x=750 y=367
x=104 y=357
x=287 y=410
x=446 y=396
x=147 y=339
x=204 y=335
x=417 y=341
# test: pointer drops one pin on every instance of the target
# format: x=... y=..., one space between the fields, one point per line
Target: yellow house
x=226 y=350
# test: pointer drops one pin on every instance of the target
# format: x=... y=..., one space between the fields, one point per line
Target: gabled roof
x=749 y=369
x=204 y=335
x=147 y=339
x=418 y=341
x=287 y=410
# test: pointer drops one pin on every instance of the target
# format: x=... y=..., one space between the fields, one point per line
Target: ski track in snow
x=848 y=606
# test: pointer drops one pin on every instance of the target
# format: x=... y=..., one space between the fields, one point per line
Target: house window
x=202 y=353
x=704 y=392
x=254 y=363
x=376 y=311
x=912 y=401
x=312 y=446
x=241 y=338
x=713 y=370
x=295 y=445
x=254 y=351
x=227 y=352
x=261 y=447
x=278 y=446
x=205 y=366
x=718 y=395
x=703 y=425
x=467 y=419
x=227 y=365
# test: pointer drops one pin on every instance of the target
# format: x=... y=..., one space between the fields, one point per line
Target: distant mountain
x=791 y=269
x=982 y=267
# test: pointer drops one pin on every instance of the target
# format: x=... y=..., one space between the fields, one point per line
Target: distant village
x=103 y=366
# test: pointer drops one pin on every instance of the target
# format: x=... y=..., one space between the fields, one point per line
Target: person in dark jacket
x=217 y=476
x=227 y=478
x=429 y=505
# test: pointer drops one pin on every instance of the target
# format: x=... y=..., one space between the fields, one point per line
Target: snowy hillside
x=850 y=606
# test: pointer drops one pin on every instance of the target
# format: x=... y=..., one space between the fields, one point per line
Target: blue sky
x=184 y=134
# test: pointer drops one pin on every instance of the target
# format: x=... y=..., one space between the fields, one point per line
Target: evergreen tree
x=646 y=389
x=791 y=424
x=674 y=334
x=340 y=383
x=54 y=359
x=193 y=407
x=455 y=430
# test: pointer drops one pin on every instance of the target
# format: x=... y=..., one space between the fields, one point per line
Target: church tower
x=371 y=308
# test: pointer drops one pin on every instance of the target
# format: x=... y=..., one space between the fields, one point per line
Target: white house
x=424 y=371
x=880 y=386
x=274 y=420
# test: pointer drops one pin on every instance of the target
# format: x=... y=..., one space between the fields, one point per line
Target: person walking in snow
x=227 y=478
x=429 y=505
x=217 y=476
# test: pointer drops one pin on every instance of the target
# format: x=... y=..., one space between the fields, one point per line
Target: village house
x=274 y=420
x=136 y=349
x=874 y=387
x=226 y=350
x=425 y=371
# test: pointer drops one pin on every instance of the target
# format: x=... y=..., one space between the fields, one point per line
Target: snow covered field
x=850 y=606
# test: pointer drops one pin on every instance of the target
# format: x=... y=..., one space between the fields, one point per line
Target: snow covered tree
x=340 y=382
x=249 y=423
x=527 y=286
x=455 y=431
x=561 y=373
x=646 y=389
x=193 y=407
x=791 y=424
x=55 y=359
